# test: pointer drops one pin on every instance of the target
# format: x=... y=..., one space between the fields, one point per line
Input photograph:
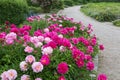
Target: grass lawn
x=104 y=11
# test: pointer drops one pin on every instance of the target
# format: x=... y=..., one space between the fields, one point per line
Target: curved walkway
x=109 y=35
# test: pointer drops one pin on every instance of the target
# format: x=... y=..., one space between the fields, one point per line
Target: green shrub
x=35 y=9
x=117 y=22
x=48 y=5
x=13 y=10
x=68 y=2
x=30 y=3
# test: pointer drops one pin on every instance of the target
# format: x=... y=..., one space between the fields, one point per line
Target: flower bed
x=50 y=48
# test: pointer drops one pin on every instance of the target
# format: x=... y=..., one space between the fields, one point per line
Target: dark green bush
x=117 y=22
x=68 y=2
x=13 y=10
x=30 y=3
x=48 y=5
x=104 y=16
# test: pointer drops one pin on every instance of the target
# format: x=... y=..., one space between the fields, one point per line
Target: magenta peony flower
x=2 y=35
x=62 y=68
x=80 y=63
x=26 y=38
x=61 y=78
x=28 y=49
x=45 y=60
x=30 y=59
x=11 y=74
x=75 y=40
x=23 y=66
x=25 y=77
x=37 y=67
x=88 y=57
x=101 y=47
x=38 y=79
x=13 y=26
x=93 y=41
x=102 y=77
x=3 y=76
x=25 y=33
x=52 y=44
x=90 y=65
x=38 y=33
x=15 y=30
x=89 y=49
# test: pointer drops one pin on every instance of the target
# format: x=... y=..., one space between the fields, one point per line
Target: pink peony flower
x=62 y=49
x=80 y=63
x=46 y=30
x=11 y=35
x=37 y=67
x=25 y=77
x=34 y=39
x=38 y=79
x=61 y=78
x=101 y=47
x=28 y=49
x=47 y=50
x=102 y=77
x=89 y=49
x=82 y=28
x=60 y=36
x=39 y=44
x=3 y=75
x=62 y=68
x=11 y=74
x=90 y=65
x=9 y=41
x=45 y=60
x=23 y=66
x=30 y=59
x=41 y=38
x=47 y=39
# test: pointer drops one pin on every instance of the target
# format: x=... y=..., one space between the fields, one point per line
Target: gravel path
x=109 y=35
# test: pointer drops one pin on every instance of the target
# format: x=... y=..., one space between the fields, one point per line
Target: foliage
x=116 y=23
x=49 y=5
x=102 y=11
x=13 y=10
x=35 y=9
x=57 y=37
x=68 y=2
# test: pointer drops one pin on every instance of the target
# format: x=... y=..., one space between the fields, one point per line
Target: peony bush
x=59 y=49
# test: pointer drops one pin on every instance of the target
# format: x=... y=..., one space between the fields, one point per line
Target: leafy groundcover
x=49 y=48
